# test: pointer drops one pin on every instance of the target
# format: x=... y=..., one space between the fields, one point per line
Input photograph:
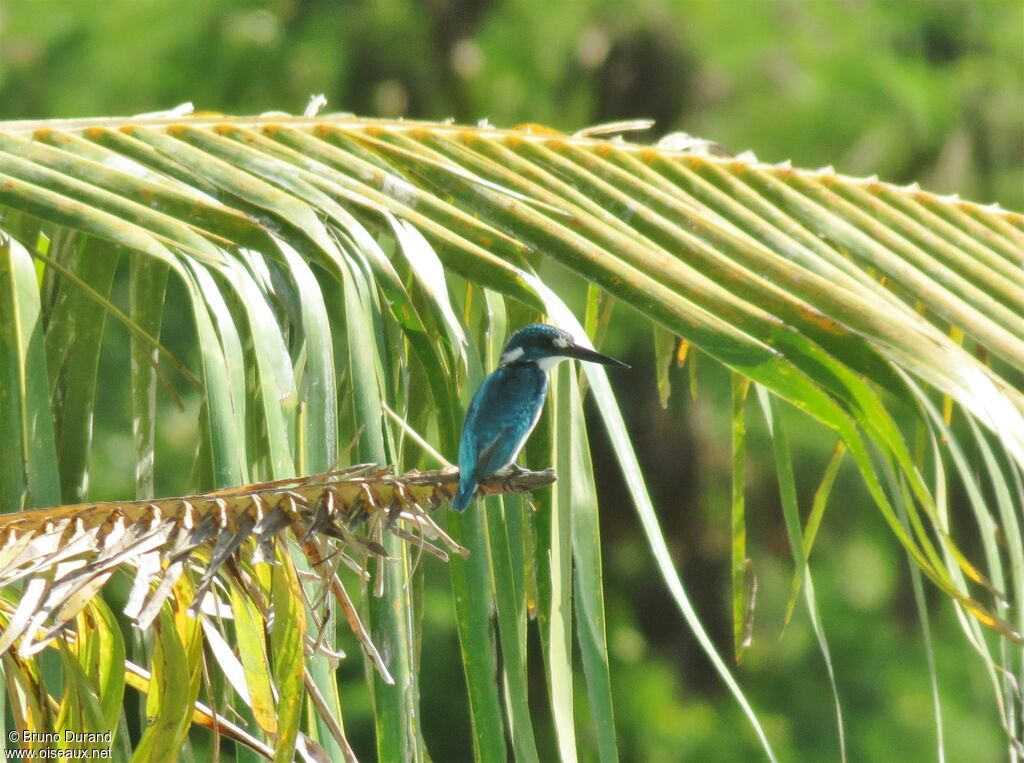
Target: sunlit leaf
x=320 y=262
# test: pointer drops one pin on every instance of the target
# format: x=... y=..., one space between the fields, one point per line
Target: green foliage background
x=921 y=91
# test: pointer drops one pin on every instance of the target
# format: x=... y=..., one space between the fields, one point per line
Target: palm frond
x=307 y=252
x=74 y=549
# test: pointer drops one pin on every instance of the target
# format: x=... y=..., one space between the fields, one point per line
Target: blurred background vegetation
x=913 y=91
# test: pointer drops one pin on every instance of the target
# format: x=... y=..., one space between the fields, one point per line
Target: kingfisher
x=508 y=404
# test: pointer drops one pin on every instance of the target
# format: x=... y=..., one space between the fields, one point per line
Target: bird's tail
x=467 y=487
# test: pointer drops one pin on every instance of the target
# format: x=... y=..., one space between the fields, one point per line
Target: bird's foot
x=509 y=473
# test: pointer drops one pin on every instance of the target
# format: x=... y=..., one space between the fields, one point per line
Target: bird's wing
x=490 y=457
x=488 y=427
x=500 y=418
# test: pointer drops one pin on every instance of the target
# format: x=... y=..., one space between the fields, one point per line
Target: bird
x=508 y=404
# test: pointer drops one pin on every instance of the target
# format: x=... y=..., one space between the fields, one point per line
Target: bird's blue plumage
x=505 y=409
x=501 y=416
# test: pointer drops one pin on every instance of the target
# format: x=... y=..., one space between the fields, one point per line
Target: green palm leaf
x=341 y=275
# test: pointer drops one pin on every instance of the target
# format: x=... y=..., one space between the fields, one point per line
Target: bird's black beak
x=590 y=356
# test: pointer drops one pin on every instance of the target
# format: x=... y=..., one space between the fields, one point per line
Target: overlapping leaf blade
x=769 y=270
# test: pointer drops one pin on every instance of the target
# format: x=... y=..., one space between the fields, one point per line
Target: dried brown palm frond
x=64 y=555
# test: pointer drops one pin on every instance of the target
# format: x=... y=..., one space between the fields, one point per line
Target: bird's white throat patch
x=546 y=364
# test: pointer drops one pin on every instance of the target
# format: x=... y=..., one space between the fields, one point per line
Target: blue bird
x=508 y=404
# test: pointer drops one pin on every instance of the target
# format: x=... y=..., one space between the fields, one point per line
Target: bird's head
x=546 y=345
